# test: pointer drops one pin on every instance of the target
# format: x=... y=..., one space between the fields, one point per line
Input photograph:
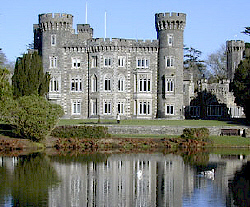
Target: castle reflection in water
x=137 y=180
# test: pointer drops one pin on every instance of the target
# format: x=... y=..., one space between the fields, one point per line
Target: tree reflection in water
x=195 y=157
x=31 y=181
x=240 y=187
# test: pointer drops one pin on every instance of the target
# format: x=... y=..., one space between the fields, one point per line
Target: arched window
x=107 y=82
x=53 y=40
x=93 y=83
x=53 y=62
x=54 y=85
x=121 y=83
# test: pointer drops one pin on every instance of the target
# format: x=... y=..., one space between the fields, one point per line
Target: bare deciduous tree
x=217 y=63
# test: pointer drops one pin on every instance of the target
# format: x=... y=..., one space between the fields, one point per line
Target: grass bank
x=230 y=141
x=214 y=141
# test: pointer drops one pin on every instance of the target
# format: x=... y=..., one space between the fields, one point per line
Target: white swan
x=139 y=174
x=208 y=174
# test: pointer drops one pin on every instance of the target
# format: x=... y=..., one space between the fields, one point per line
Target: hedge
x=80 y=132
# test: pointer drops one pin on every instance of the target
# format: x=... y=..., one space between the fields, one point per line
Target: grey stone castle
x=92 y=77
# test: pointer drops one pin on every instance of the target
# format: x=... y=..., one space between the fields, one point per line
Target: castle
x=96 y=77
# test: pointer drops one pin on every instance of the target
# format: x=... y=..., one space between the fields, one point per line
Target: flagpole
x=105 y=24
x=86 y=13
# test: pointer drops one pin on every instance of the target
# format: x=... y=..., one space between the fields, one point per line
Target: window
x=93 y=83
x=93 y=110
x=120 y=107
x=76 y=107
x=142 y=63
x=53 y=62
x=194 y=111
x=94 y=62
x=76 y=63
x=121 y=61
x=76 y=84
x=169 y=85
x=169 y=110
x=54 y=85
x=144 y=85
x=214 y=110
x=107 y=107
x=107 y=83
x=53 y=40
x=170 y=39
x=169 y=62
x=144 y=108
x=107 y=62
x=121 y=84
x=135 y=107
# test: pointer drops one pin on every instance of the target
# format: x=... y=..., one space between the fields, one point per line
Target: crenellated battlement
x=235 y=45
x=116 y=44
x=42 y=17
x=171 y=15
x=118 y=41
x=57 y=21
x=172 y=20
x=82 y=28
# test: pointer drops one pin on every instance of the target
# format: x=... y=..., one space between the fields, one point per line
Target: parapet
x=172 y=20
x=101 y=44
x=55 y=17
x=85 y=30
x=232 y=43
x=235 y=45
x=118 y=41
x=171 y=15
x=55 y=21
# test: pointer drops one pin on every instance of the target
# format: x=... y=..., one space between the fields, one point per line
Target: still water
x=125 y=180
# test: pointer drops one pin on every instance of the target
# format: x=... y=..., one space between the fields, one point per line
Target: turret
x=235 y=50
x=55 y=22
x=170 y=27
x=49 y=36
x=49 y=29
x=85 y=31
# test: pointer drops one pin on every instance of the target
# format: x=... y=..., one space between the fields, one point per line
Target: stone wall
x=168 y=130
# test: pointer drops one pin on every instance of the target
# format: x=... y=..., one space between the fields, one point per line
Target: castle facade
x=96 y=77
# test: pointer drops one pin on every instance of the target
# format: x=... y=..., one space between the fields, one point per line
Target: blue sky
x=210 y=23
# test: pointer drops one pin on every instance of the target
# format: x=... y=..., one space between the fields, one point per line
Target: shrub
x=36 y=117
x=80 y=132
x=195 y=133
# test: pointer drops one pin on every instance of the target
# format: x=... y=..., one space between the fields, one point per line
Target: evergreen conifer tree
x=241 y=86
x=29 y=77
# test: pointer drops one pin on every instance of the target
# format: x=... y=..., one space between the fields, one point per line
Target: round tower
x=235 y=50
x=49 y=36
x=170 y=27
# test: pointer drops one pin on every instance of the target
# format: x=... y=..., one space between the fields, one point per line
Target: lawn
x=158 y=122
x=230 y=141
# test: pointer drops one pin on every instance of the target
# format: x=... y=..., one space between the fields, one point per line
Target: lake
x=143 y=179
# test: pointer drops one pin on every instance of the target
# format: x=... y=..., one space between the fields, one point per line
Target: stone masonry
x=139 y=79
x=96 y=77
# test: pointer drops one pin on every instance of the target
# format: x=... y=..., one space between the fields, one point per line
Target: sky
x=209 y=23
